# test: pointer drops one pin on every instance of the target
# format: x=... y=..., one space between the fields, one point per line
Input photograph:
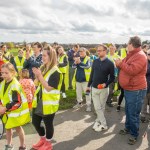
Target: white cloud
x=71 y=21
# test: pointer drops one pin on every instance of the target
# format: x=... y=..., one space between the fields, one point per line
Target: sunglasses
x=148 y=54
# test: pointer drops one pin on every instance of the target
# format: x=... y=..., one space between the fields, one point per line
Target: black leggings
x=48 y=121
x=63 y=84
x=121 y=96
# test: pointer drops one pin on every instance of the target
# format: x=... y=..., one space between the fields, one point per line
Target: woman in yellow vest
x=19 y=61
x=46 y=100
x=63 y=62
x=6 y=54
x=13 y=106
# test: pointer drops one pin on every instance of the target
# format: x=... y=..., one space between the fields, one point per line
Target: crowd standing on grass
x=33 y=81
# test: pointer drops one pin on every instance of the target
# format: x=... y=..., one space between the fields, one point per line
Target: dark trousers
x=111 y=93
x=121 y=96
x=133 y=106
x=71 y=74
x=63 y=84
x=48 y=121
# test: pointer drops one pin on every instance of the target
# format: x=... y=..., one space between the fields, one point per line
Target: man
x=82 y=65
x=102 y=74
x=112 y=56
x=132 y=78
x=35 y=60
x=71 y=56
x=144 y=117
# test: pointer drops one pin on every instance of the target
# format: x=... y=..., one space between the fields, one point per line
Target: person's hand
x=88 y=89
x=118 y=61
x=37 y=72
x=2 y=110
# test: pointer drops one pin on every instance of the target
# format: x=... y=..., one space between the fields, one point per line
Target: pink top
x=28 y=87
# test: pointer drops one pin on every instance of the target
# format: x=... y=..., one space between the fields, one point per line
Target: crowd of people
x=33 y=81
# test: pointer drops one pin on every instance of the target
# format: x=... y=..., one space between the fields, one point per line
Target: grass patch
x=69 y=102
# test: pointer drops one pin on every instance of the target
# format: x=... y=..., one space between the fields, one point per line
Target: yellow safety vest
x=115 y=56
x=31 y=53
x=19 y=116
x=61 y=60
x=86 y=71
x=123 y=53
x=7 y=54
x=50 y=99
x=19 y=64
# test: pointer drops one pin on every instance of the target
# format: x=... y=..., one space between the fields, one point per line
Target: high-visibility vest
x=115 y=56
x=50 y=99
x=7 y=54
x=21 y=115
x=61 y=60
x=86 y=71
x=31 y=53
x=19 y=64
x=123 y=53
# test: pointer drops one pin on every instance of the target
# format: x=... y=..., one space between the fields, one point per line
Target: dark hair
x=104 y=46
x=3 y=45
x=144 y=46
x=39 y=45
x=135 y=41
x=76 y=46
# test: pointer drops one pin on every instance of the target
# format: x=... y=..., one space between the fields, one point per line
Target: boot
x=46 y=146
x=39 y=143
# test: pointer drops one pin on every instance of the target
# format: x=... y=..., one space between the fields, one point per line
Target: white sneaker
x=64 y=95
x=96 y=125
x=101 y=128
x=88 y=108
x=77 y=106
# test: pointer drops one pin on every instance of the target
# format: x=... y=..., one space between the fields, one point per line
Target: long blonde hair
x=51 y=52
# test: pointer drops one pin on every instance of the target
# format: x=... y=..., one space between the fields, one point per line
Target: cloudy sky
x=74 y=21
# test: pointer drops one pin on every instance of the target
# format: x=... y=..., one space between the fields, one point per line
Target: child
x=27 y=86
x=13 y=106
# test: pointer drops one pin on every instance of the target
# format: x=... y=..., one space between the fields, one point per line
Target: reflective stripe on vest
x=19 y=64
x=87 y=71
x=61 y=60
x=51 y=98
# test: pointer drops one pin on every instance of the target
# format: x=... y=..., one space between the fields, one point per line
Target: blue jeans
x=133 y=106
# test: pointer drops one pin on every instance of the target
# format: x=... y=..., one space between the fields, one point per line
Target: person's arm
x=112 y=74
x=91 y=76
x=65 y=62
x=134 y=67
x=16 y=102
x=70 y=55
x=74 y=65
x=85 y=66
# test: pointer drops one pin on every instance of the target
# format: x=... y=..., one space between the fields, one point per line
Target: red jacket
x=133 y=70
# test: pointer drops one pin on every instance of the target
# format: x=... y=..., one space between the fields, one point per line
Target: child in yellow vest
x=13 y=106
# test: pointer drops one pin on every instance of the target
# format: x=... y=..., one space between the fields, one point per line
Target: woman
x=47 y=95
x=63 y=62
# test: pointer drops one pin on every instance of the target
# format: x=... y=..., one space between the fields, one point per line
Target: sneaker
x=78 y=105
x=132 y=140
x=118 y=108
x=9 y=147
x=101 y=128
x=96 y=125
x=22 y=148
x=143 y=119
x=64 y=95
x=39 y=143
x=46 y=146
x=88 y=108
x=124 y=132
